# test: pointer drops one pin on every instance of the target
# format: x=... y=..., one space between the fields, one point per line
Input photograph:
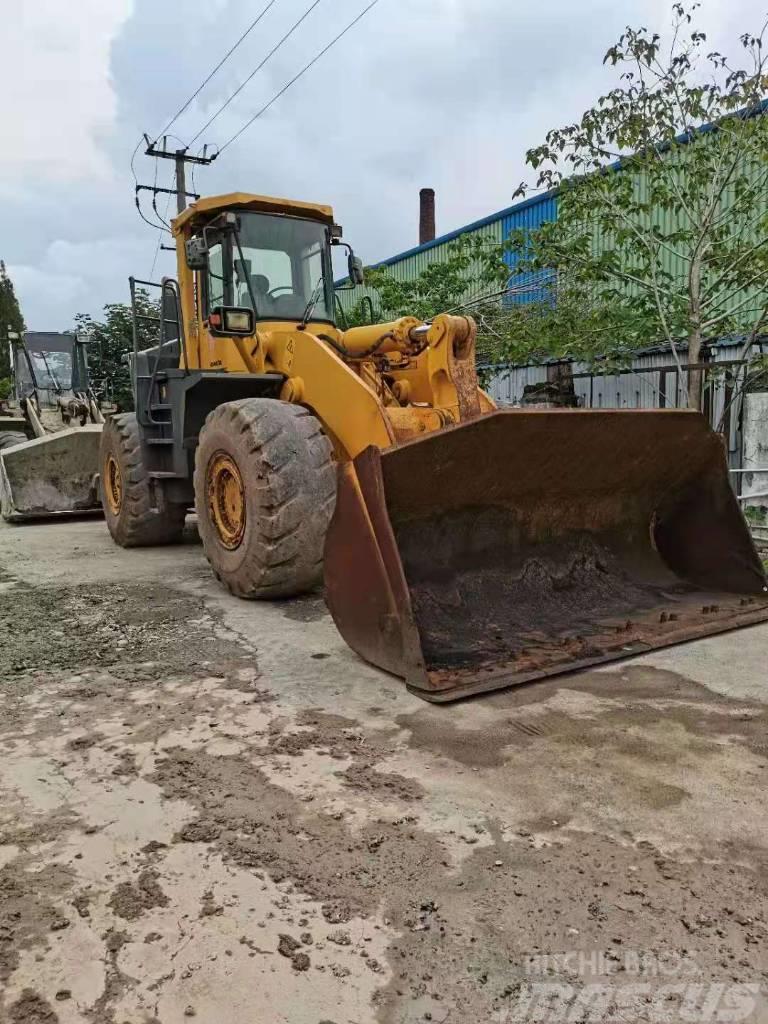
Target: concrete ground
x=213 y=809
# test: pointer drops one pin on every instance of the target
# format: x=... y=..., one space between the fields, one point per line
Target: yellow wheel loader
x=464 y=548
x=49 y=430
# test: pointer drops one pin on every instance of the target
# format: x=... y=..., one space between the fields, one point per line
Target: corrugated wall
x=667 y=221
x=531 y=214
x=528 y=214
x=654 y=383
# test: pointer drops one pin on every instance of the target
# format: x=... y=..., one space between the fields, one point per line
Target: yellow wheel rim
x=113 y=485
x=226 y=499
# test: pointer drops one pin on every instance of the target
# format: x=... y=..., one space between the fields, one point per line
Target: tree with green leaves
x=112 y=342
x=662 y=232
x=11 y=320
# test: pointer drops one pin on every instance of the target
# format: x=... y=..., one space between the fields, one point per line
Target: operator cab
x=269 y=258
x=277 y=268
x=50 y=365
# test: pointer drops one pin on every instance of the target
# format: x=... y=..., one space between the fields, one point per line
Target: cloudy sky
x=447 y=93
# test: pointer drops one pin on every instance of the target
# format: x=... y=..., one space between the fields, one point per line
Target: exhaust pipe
x=426 y=216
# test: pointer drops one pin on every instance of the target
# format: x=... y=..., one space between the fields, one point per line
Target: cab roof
x=259 y=204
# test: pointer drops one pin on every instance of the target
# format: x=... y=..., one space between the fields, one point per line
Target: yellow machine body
x=473 y=548
x=420 y=378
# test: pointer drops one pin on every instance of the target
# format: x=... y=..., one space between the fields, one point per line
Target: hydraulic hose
x=346 y=354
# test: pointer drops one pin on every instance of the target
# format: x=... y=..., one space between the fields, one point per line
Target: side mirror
x=197 y=253
x=231 y=321
x=356 y=270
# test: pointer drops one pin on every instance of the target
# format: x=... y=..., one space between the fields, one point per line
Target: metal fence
x=655 y=381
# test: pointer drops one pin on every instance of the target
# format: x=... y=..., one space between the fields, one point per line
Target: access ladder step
x=160 y=440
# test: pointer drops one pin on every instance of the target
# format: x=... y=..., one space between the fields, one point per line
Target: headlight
x=238 y=321
x=223 y=320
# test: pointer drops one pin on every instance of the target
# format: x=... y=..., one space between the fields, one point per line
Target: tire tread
x=142 y=523
x=292 y=470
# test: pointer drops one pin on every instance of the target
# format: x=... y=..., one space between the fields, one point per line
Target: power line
x=138 y=188
x=181 y=158
x=146 y=219
x=223 y=61
x=295 y=79
x=164 y=218
x=258 y=68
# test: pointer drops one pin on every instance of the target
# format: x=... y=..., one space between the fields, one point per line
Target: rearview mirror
x=356 y=270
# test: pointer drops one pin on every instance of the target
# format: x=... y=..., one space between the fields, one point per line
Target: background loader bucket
x=528 y=543
x=51 y=475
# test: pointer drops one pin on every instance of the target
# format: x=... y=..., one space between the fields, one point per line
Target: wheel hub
x=226 y=499
x=113 y=485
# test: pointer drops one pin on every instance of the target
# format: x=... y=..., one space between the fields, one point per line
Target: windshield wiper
x=52 y=376
x=247 y=277
x=313 y=301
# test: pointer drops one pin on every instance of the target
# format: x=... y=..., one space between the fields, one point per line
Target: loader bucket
x=529 y=543
x=51 y=475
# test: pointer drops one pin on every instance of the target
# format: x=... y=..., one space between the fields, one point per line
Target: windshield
x=284 y=259
x=52 y=370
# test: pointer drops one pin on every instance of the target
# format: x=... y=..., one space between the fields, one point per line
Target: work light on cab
x=231 y=321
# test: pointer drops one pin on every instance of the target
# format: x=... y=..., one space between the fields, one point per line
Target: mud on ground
x=213 y=810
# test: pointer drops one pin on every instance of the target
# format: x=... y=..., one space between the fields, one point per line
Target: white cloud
x=45 y=297
x=56 y=88
x=446 y=93
x=69 y=275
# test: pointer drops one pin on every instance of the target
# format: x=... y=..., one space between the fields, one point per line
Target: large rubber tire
x=286 y=492
x=8 y=438
x=141 y=517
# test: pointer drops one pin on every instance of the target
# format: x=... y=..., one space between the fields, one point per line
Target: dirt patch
x=82 y=903
x=342 y=738
x=30 y=1008
x=36 y=625
x=250 y=685
x=383 y=784
x=45 y=829
x=115 y=982
x=126 y=638
x=624 y=724
x=126 y=766
x=306 y=609
x=261 y=826
x=131 y=899
x=465 y=935
x=198 y=832
x=337 y=867
x=85 y=742
x=28 y=913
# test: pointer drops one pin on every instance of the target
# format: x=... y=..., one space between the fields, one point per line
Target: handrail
x=167 y=285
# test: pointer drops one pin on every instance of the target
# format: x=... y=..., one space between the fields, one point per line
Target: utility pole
x=181 y=158
x=181 y=182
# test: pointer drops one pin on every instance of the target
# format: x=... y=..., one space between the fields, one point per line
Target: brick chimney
x=426 y=215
